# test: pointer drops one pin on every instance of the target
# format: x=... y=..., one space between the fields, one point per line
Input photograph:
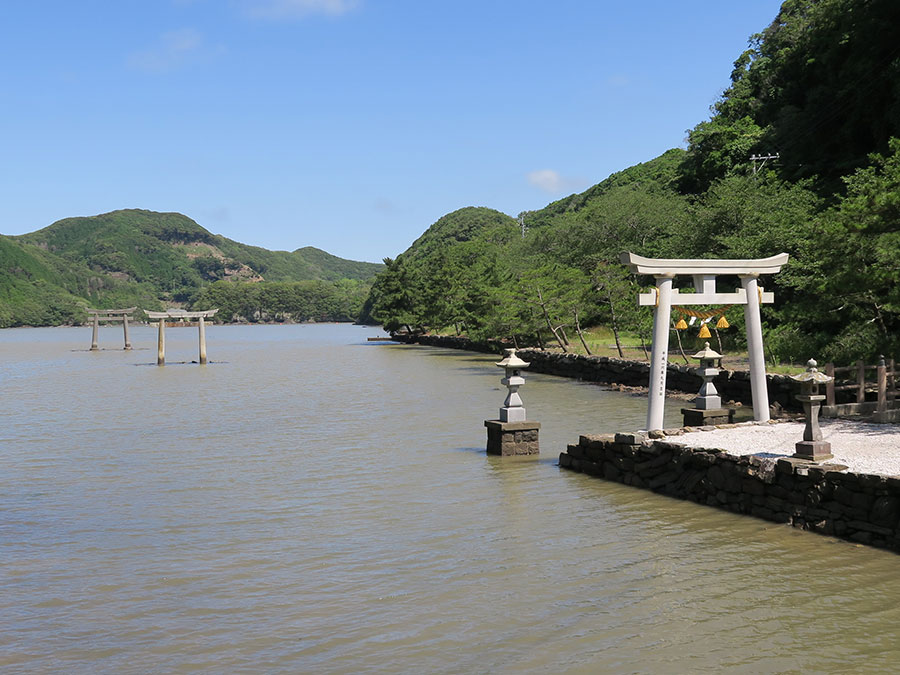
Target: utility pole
x=763 y=159
x=521 y=219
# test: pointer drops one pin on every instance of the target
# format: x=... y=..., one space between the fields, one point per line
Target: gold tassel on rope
x=704 y=331
x=722 y=323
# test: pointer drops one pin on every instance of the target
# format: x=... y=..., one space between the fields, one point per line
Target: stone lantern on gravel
x=512 y=434
x=812 y=447
x=708 y=404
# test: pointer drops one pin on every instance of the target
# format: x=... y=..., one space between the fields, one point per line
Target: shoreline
x=757 y=476
x=747 y=468
x=733 y=385
x=208 y=323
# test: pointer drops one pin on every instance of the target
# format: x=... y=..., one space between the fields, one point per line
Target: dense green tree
x=397 y=295
x=820 y=86
x=634 y=217
x=557 y=294
x=859 y=300
x=616 y=290
x=297 y=301
x=210 y=267
x=721 y=147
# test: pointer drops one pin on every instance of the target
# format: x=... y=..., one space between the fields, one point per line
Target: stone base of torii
x=704 y=273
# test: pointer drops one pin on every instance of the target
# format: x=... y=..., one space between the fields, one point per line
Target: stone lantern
x=512 y=410
x=512 y=434
x=812 y=447
x=708 y=404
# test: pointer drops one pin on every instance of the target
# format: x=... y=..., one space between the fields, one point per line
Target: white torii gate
x=704 y=272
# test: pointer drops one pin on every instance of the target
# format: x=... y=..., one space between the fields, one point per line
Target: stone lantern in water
x=512 y=434
x=512 y=410
x=708 y=404
x=812 y=447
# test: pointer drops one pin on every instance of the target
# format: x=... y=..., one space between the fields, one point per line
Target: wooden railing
x=885 y=384
x=860 y=385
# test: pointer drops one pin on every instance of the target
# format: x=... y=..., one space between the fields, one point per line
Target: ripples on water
x=310 y=502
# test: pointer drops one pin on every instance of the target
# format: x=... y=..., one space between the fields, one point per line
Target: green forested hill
x=149 y=259
x=437 y=273
x=661 y=173
x=37 y=287
x=463 y=225
x=171 y=248
x=819 y=86
x=820 y=89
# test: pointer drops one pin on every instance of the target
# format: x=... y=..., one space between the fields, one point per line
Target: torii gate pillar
x=161 y=343
x=201 y=330
x=95 y=333
x=660 y=359
x=704 y=274
x=753 y=324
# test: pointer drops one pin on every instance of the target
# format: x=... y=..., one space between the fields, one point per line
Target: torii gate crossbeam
x=704 y=273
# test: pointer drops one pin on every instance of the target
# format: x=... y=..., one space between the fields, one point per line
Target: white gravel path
x=862 y=447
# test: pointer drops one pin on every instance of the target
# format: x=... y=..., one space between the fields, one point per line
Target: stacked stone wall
x=733 y=385
x=822 y=498
x=512 y=438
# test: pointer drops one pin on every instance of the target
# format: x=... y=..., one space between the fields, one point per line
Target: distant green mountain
x=164 y=248
x=137 y=257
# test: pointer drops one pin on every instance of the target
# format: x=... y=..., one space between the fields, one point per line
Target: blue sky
x=349 y=125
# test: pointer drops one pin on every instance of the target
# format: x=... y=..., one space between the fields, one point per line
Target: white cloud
x=298 y=9
x=551 y=181
x=172 y=50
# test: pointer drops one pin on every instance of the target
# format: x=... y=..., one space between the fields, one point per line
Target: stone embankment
x=733 y=385
x=823 y=498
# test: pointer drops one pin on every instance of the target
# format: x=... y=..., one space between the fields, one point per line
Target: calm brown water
x=308 y=502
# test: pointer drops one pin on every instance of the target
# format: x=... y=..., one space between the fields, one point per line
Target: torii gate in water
x=704 y=272
x=180 y=314
x=98 y=315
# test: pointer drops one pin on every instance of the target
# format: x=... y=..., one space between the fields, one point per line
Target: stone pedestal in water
x=512 y=438
x=512 y=434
